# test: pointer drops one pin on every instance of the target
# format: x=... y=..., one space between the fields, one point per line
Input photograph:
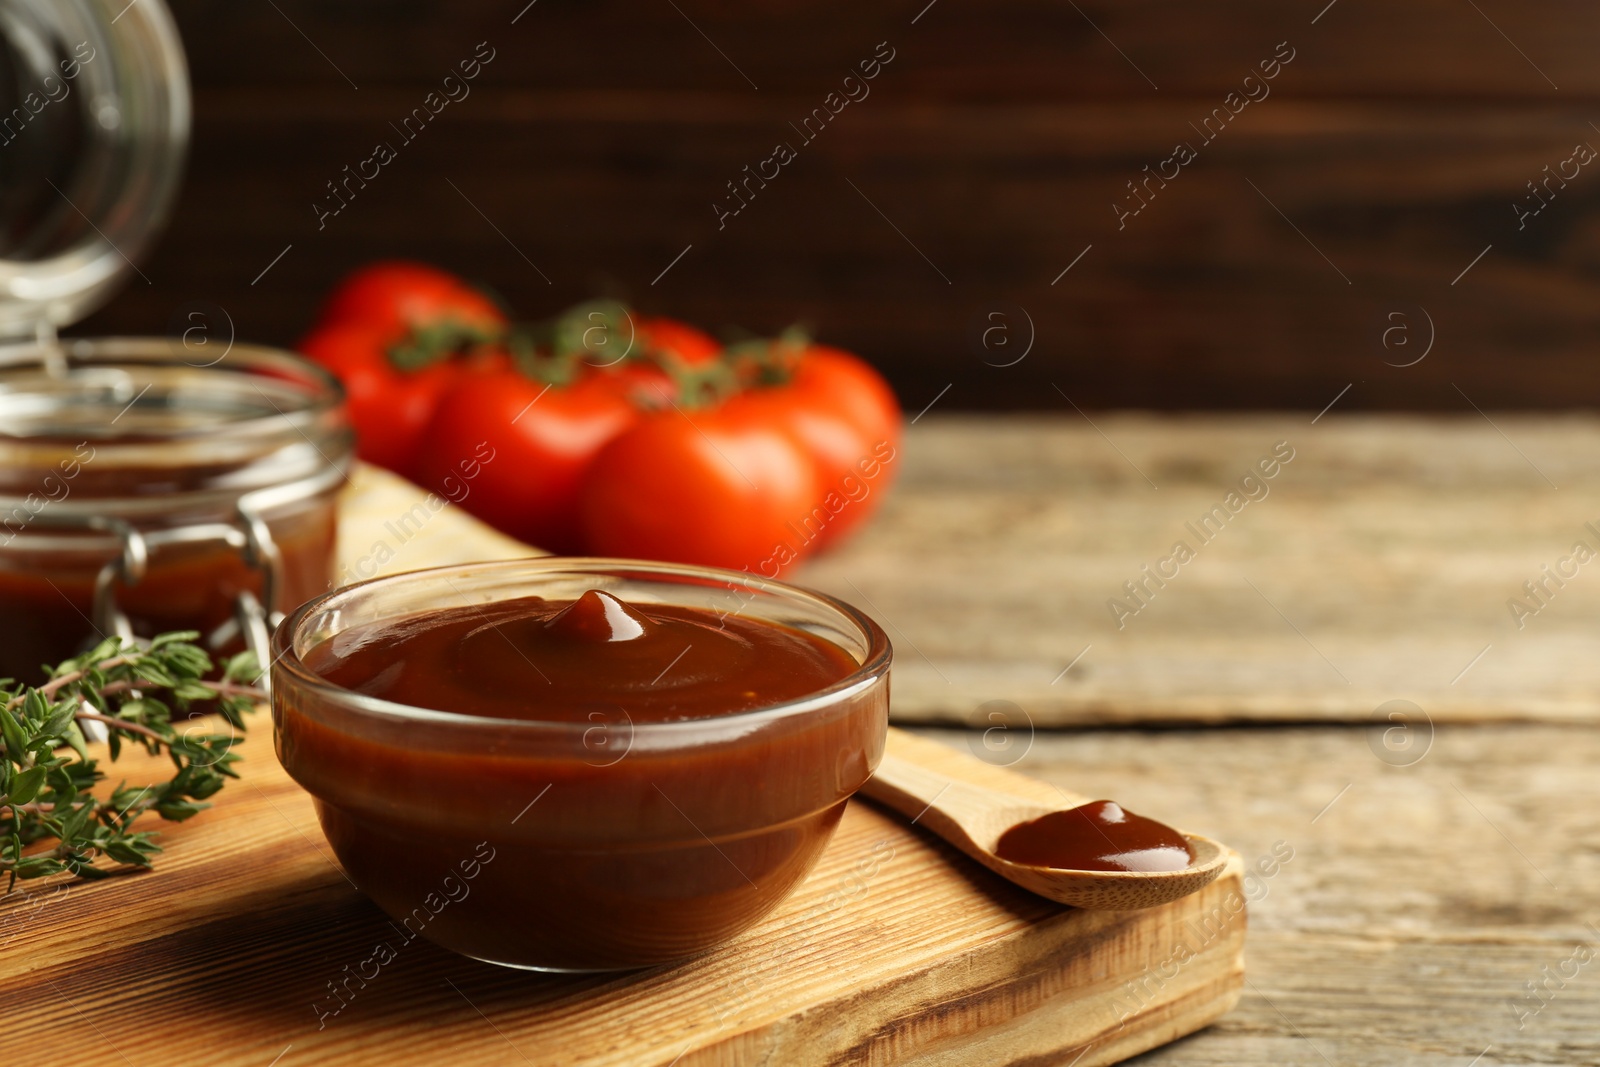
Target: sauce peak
x=1101 y=835
x=600 y=618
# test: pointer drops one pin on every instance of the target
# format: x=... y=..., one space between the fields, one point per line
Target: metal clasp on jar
x=253 y=617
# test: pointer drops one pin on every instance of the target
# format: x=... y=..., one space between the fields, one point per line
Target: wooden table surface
x=1419 y=901
x=1377 y=565
x=1423 y=897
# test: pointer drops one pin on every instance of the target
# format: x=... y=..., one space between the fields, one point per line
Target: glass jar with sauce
x=139 y=494
x=145 y=484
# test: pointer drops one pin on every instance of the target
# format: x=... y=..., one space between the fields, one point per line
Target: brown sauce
x=1098 y=836
x=560 y=661
x=611 y=848
x=47 y=597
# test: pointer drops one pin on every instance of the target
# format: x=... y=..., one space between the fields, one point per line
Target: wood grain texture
x=1419 y=901
x=895 y=950
x=996 y=143
x=1054 y=52
x=1378 y=567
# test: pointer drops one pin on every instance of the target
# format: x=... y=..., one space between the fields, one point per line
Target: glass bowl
x=577 y=846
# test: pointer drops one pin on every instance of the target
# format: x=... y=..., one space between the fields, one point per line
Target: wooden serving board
x=896 y=950
x=387 y=525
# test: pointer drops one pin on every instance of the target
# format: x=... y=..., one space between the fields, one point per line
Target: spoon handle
x=915 y=767
x=913 y=789
x=960 y=798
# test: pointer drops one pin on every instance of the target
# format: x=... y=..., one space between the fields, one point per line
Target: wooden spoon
x=970 y=804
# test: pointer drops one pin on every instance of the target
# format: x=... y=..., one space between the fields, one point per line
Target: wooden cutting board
x=387 y=525
x=896 y=950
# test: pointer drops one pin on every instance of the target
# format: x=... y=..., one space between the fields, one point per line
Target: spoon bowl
x=970 y=804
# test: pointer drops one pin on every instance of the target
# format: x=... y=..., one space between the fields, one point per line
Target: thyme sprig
x=47 y=776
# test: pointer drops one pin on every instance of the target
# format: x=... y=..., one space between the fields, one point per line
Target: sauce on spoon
x=1098 y=836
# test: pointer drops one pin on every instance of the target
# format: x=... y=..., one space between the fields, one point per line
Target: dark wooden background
x=996 y=141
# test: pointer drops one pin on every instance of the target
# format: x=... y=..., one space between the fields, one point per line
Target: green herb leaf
x=25 y=786
x=58 y=721
x=16 y=741
x=48 y=779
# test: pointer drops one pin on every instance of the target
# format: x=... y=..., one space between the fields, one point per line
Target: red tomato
x=641 y=378
x=721 y=487
x=388 y=406
x=396 y=295
x=690 y=344
x=847 y=416
x=644 y=385
x=532 y=447
x=371 y=312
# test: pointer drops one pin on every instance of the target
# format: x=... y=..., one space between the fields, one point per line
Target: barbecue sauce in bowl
x=561 y=661
x=646 y=778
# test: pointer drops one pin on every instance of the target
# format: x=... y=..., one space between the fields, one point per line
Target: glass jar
x=94 y=125
x=580 y=845
x=145 y=485
x=140 y=493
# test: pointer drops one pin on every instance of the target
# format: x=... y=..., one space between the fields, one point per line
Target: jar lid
x=94 y=125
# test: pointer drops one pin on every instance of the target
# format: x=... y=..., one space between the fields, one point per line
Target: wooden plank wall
x=1388 y=154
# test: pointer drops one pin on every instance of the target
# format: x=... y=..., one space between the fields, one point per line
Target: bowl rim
x=874 y=665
